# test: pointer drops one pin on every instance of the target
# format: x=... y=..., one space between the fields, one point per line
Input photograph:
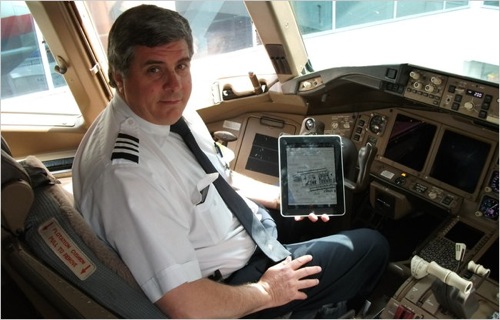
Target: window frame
x=62 y=30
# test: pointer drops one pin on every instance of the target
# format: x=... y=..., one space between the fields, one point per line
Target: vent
x=264 y=155
x=59 y=164
x=277 y=55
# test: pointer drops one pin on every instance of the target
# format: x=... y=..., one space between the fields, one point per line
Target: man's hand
x=204 y=298
x=313 y=217
x=284 y=281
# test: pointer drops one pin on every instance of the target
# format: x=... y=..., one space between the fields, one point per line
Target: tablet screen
x=311 y=175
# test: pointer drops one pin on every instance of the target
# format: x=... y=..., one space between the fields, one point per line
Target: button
x=447 y=200
x=391 y=73
x=485 y=105
x=400 y=181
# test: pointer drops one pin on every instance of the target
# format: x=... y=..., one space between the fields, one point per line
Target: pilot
x=140 y=188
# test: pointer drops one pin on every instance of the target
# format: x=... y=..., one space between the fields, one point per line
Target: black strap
x=269 y=245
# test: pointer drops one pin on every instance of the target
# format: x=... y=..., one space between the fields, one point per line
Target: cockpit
x=409 y=87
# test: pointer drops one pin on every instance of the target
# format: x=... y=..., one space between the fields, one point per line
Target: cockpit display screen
x=410 y=142
x=460 y=160
x=474 y=93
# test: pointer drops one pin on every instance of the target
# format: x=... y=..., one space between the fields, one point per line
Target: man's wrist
x=277 y=202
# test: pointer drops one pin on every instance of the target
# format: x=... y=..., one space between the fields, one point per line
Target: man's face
x=158 y=84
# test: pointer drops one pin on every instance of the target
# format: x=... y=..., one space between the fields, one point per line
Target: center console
x=432 y=297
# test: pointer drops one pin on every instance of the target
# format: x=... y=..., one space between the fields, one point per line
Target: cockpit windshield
x=452 y=36
x=459 y=37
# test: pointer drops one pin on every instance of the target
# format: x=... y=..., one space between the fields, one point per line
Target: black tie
x=269 y=245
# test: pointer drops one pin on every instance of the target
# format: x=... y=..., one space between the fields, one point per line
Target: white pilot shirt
x=138 y=186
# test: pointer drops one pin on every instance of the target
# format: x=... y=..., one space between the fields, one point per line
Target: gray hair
x=144 y=25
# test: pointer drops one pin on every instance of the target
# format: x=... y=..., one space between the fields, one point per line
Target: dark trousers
x=352 y=263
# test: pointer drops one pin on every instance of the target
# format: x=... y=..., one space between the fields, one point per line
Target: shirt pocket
x=212 y=218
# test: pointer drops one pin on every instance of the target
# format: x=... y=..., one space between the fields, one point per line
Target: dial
x=429 y=88
x=377 y=124
x=489 y=207
x=436 y=80
x=494 y=181
x=309 y=124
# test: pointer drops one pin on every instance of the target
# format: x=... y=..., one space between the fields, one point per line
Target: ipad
x=311 y=175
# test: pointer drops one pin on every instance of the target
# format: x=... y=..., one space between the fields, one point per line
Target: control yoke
x=224 y=137
x=366 y=154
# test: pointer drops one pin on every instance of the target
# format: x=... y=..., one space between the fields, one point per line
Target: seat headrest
x=12 y=170
x=17 y=194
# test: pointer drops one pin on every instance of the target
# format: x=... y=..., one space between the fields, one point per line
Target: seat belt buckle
x=217 y=276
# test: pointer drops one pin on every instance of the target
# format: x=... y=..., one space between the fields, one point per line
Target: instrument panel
x=410 y=145
x=436 y=136
x=438 y=142
x=477 y=204
x=467 y=97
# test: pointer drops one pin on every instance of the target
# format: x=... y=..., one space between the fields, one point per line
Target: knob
x=417 y=85
x=432 y=195
x=429 y=88
x=415 y=75
x=62 y=66
x=309 y=124
x=418 y=267
x=400 y=180
x=478 y=269
x=437 y=81
x=306 y=85
x=468 y=105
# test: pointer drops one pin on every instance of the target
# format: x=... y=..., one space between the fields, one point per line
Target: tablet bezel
x=306 y=141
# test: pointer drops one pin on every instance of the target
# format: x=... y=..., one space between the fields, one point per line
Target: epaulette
x=126 y=148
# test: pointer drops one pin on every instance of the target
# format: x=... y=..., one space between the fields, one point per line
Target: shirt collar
x=120 y=106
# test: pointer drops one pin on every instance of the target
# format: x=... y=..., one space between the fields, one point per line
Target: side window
x=226 y=44
x=29 y=79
